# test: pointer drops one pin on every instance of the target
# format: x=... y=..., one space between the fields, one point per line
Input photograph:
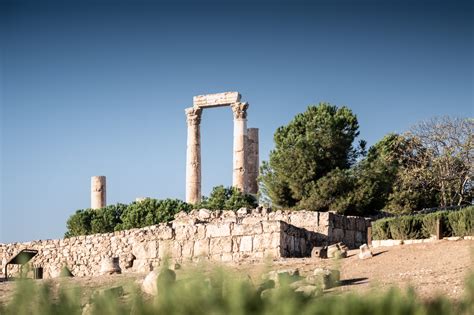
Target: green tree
x=313 y=144
x=150 y=212
x=80 y=223
x=106 y=219
x=227 y=198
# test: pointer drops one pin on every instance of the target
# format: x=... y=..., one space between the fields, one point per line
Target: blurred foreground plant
x=221 y=292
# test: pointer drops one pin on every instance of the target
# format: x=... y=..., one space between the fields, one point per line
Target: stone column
x=193 y=155
x=98 y=192
x=240 y=139
x=252 y=160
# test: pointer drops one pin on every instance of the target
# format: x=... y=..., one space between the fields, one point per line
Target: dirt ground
x=434 y=268
x=438 y=268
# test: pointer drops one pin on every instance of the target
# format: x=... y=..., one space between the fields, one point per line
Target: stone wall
x=223 y=236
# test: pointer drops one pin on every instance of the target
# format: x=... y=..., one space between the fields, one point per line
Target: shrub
x=453 y=223
x=223 y=292
x=104 y=220
x=150 y=212
x=122 y=216
x=227 y=198
x=461 y=222
x=430 y=221
x=381 y=229
x=406 y=227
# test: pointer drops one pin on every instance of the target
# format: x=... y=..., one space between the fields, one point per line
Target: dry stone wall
x=223 y=236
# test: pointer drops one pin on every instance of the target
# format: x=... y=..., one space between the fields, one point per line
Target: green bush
x=105 y=220
x=150 y=212
x=430 y=224
x=80 y=223
x=406 y=227
x=381 y=229
x=227 y=198
x=461 y=222
x=122 y=216
x=453 y=223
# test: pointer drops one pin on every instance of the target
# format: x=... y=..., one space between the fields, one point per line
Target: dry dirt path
x=434 y=268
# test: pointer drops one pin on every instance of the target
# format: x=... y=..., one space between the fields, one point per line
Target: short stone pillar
x=240 y=140
x=252 y=160
x=98 y=192
x=193 y=155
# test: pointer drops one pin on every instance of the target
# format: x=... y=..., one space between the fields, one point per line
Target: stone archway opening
x=245 y=144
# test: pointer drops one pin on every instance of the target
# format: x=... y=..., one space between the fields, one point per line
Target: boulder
x=338 y=250
x=308 y=290
x=204 y=214
x=324 y=278
x=150 y=283
x=364 y=252
x=109 y=266
x=158 y=279
x=288 y=275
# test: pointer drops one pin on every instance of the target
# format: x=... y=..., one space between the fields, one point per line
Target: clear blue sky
x=99 y=87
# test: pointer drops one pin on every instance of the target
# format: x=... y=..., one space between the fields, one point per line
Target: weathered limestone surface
x=223 y=236
x=240 y=141
x=193 y=155
x=98 y=192
x=252 y=155
x=215 y=100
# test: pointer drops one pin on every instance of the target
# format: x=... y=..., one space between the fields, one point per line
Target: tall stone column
x=252 y=160
x=193 y=155
x=98 y=192
x=240 y=139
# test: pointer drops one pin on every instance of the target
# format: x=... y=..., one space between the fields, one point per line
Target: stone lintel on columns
x=216 y=100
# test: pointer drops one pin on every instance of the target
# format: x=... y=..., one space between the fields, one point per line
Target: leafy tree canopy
x=227 y=198
x=313 y=144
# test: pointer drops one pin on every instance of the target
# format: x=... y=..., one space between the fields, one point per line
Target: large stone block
x=185 y=232
x=246 y=244
x=251 y=220
x=337 y=235
x=218 y=230
x=145 y=250
x=215 y=100
x=187 y=249
x=304 y=219
x=246 y=229
x=165 y=249
x=201 y=248
x=221 y=245
x=164 y=232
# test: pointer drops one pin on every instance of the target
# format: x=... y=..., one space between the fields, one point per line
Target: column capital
x=193 y=115
x=240 y=110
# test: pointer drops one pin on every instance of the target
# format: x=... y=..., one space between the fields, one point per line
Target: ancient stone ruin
x=221 y=236
x=245 y=160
